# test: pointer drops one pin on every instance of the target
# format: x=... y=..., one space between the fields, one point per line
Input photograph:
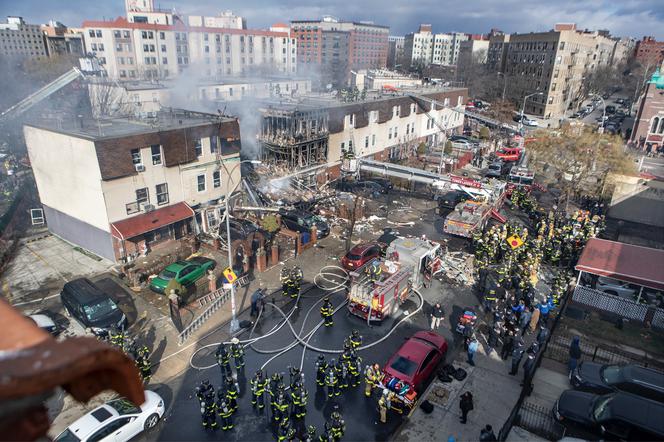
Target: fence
x=625 y=308
x=539 y=420
x=221 y=296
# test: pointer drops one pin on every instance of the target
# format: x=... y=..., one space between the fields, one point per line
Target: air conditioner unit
x=139 y=167
x=147 y=207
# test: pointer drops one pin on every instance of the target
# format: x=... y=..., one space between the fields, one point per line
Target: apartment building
x=497 y=51
x=335 y=59
x=648 y=131
x=395 y=51
x=555 y=64
x=649 y=52
x=22 y=40
x=471 y=52
x=117 y=186
x=427 y=48
x=379 y=79
x=61 y=40
x=144 y=11
x=367 y=43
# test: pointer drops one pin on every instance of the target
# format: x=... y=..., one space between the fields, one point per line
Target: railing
x=539 y=420
x=221 y=296
x=602 y=301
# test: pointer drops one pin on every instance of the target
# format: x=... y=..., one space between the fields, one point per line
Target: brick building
x=649 y=52
x=648 y=131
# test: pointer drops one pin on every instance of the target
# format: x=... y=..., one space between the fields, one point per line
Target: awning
x=626 y=262
x=146 y=222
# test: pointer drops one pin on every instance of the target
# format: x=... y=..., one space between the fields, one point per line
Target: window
x=214 y=139
x=142 y=196
x=98 y=32
x=164 y=60
x=116 y=34
x=100 y=47
x=110 y=428
x=351 y=118
x=366 y=141
x=389 y=136
x=162 y=194
x=200 y=183
x=156 y=154
x=163 y=48
x=93 y=46
x=373 y=139
x=136 y=156
x=125 y=34
x=198 y=147
x=91 y=32
x=162 y=36
x=216 y=179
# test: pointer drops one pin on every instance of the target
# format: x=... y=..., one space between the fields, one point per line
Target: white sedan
x=529 y=122
x=116 y=421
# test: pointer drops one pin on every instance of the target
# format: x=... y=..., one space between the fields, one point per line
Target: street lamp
x=235 y=325
x=601 y=126
x=523 y=107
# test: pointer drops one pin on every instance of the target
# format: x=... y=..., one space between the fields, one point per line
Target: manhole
x=438 y=395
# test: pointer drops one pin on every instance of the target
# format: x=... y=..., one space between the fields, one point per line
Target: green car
x=185 y=272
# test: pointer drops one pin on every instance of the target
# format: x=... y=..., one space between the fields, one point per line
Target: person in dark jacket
x=465 y=404
x=528 y=369
x=517 y=355
x=494 y=333
x=437 y=315
x=508 y=344
x=543 y=335
x=574 y=355
x=524 y=320
x=257 y=301
x=487 y=434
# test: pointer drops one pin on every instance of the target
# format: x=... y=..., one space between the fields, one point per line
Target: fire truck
x=409 y=263
x=475 y=213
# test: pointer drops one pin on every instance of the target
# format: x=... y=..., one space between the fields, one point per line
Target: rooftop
x=108 y=128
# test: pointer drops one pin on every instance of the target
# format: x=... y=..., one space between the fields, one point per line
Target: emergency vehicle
x=520 y=177
x=408 y=263
x=475 y=213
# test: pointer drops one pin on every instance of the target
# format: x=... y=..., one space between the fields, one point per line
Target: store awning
x=626 y=262
x=146 y=222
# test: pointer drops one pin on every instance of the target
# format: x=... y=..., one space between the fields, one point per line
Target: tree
x=108 y=99
x=578 y=159
x=353 y=213
x=502 y=110
x=485 y=134
x=421 y=148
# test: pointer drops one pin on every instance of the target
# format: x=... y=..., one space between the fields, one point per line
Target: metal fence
x=609 y=303
x=539 y=420
x=221 y=296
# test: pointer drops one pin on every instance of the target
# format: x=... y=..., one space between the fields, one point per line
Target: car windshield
x=612 y=374
x=166 y=275
x=601 y=410
x=99 y=309
x=403 y=365
x=67 y=436
x=353 y=257
x=123 y=406
x=494 y=166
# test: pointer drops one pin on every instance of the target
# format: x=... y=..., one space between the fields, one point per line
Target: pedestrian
x=257 y=302
x=487 y=434
x=534 y=320
x=465 y=404
x=494 y=334
x=543 y=335
x=326 y=311
x=574 y=355
x=467 y=335
x=508 y=344
x=528 y=370
x=524 y=321
x=517 y=354
x=437 y=315
x=472 y=348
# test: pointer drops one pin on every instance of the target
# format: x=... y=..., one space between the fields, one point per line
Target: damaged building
x=121 y=186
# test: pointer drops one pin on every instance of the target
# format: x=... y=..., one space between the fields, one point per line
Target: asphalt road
x=183 y=420
x=654 y=166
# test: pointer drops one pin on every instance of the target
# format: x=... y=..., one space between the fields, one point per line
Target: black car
x=385 y=183
x=604 y=379
x=450 y=200
x=618 y=415
x=302 y=221
x=91 y=307
x=459 y=138
x=241 y=229
x=610 y=109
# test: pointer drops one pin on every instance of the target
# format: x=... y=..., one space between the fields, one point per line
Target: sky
x=628 y=18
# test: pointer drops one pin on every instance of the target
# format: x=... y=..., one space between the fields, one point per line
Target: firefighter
x=231 y=393
x=258 y=384
x=296 y=376
x=144 y=366
x=281 y=406
x=321 y=368
x=311 y=434
x=276 y=382
x=208 y=408
x=355 y=340
x=296 y=281
x=354 y=367
x=342 y=373
x=326 y=311
x=338 y=426
x=374 y=270
x=347 y=352
x=382 y=406
x=285 y=279
x=491 y=298
x=332 y=380
x=282 y=432
x=372 y=376
x=326 y=436
x=299 y=398
x=225 y=411
x=238 y=353
x=224 y=360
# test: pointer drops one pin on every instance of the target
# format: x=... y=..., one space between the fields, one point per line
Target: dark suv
x=448 y=201
x=302 y=221
x=91 y=307
x=603 y=379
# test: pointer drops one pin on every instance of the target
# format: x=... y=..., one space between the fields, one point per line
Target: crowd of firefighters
x=139 y=354
x=291 y=281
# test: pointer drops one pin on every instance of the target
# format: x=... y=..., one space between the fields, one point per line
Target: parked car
x=184 y=272
x=361 y=254
x=116 y=421
x=605 y=379
x=449 y=200
x=91 y=307
x=459 y=137
x=302 y=221
x=529 y=122
x=516 y=118
x=610 y=109
x=509 y=154
x=616 y=287
x=464 y=144
x=417 y=358
x=384 y=182
x=618 y=415
x=619 y=101
x=498 y=169
x=241 y=229
x=46 y=323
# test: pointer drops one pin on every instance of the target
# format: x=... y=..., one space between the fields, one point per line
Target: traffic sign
x=230 y=275
x=514 y=241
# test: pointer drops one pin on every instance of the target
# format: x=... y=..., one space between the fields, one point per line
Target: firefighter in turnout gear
x=321 y=368
x=355 y=340
x=223 y=360
x=282 y=432
x=296 y=281
x=276 y=382
x=299 y=399
x=143 y=364
x=326 y=311
x=238 y=353
x=342 y=374
x=311 y=434
x=374 y=270
x=326 y=436
x=225 y=411
x=296 y=377
x=208 y=408
x=258 y=384
x=332 y=380
x=281 y=404
x=383 y=406
x=203 y=389
x=231 y=393
x=372 y=376
x=354 y=367
x=338 y=426
x=285 y=279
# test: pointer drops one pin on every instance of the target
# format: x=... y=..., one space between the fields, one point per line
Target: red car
x=509 y=154
x=361 y=254
x=417 y=358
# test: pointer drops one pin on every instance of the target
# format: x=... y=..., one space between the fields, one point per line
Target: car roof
x=415 y=348
x=644 y=412
x=361 y=248
x=177 y=265
x=644 y=376
x=83 y=290
x=92 y=421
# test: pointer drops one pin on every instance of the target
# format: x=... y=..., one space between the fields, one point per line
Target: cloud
x=624 y=18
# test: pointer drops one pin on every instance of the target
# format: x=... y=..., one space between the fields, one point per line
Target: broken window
x=162 y=193
x=200 y=183
x=216 y=179
x=142 y=196
x=136 y=156
x=156 y=154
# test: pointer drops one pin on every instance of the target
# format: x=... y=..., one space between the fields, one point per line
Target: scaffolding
x=294 y=138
